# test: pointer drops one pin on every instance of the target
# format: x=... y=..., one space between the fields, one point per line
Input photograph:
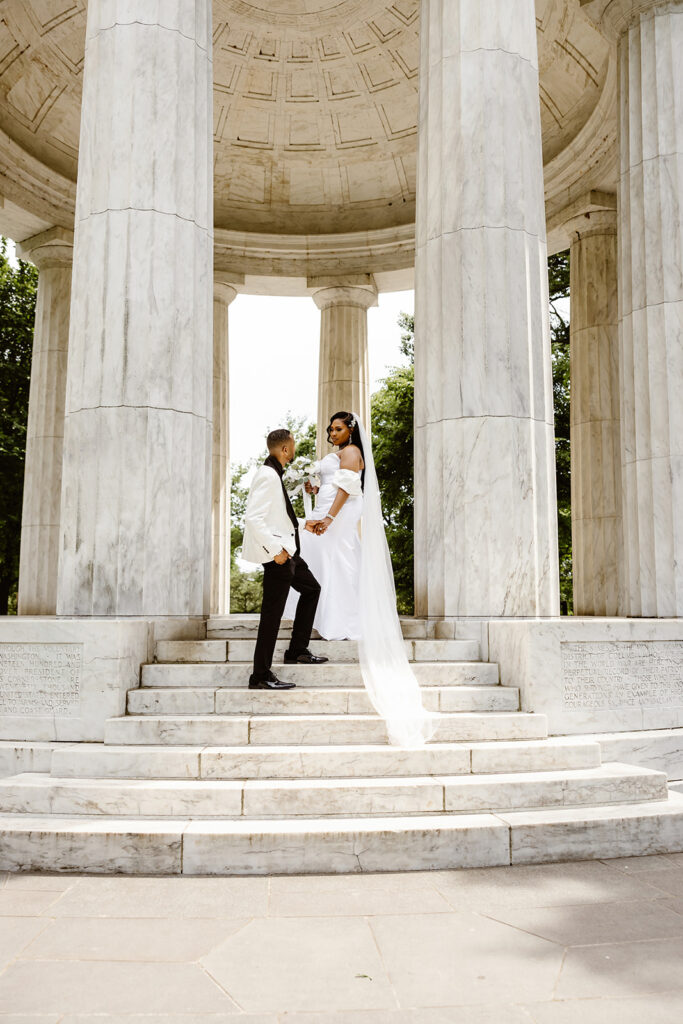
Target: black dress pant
x=277 y=579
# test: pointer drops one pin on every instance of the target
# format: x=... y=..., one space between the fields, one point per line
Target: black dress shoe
x=304 y=658
x=270 y=684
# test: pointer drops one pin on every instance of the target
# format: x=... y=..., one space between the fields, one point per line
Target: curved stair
x=203 y=776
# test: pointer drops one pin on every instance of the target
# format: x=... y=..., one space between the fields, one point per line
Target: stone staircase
x=203 y=776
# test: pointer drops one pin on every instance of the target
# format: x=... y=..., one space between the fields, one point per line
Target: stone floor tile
x=132 y=939
x=602 y=923
x=310 y=964
x=50 y=986
x=390 y=881
x=355 y=903
x=658 y=862
x=458 y=959
x=164 y=897
x=670 y=881
x=26 y=903
x=632 y=968
x=540 y=885
x=33 y=1018
x=15 y=934
x=662 y=1008
x=160 y=1018
x=494 y=1014
x=39 y=883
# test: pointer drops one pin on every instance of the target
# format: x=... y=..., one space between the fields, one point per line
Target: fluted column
x=649 y=38
x=597 y=557
x=344 y=376
x=136 y=488
x=52 y=254
x=223 y=294
x=485 y=501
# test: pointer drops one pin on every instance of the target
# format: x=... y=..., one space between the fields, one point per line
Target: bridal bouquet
x=300 y=471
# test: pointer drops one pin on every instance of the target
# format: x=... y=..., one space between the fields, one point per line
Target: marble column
x=136 y=481
x=595 y=434
x=485 y=500
x=223 y=294
x=649 y=39
x=344 y=376
x=52 y=254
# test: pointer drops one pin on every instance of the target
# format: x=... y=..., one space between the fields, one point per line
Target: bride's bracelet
x=330 y=516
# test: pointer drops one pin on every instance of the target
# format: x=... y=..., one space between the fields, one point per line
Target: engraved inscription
x=40 y=679
x=622 y=674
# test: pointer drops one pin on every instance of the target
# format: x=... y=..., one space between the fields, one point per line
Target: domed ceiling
x=315 y=102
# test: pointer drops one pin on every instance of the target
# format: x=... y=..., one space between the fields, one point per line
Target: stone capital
x=613 y=17
x=224 y=292
x=596 y=222
x=49 y=249
x=357 y=290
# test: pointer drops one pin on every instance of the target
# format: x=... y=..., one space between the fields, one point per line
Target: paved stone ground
x=591 y=943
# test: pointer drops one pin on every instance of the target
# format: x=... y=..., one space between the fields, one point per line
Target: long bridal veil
x=391 y=684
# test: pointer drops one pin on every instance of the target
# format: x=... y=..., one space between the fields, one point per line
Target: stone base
x=594 y=675
x=61 y=679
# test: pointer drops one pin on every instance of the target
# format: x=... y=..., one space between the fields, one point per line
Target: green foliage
x=392 y=445
x=558 y=280
x=18 y=286
x=246 y=588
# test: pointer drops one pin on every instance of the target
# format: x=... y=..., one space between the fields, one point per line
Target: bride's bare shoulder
x=351 y=458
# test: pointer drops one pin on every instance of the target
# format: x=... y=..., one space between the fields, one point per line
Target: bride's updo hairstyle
x=350 y=421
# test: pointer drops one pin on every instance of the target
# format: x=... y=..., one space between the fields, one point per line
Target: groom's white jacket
x=267 y=527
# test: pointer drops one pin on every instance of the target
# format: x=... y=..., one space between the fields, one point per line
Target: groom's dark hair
x=276 y=438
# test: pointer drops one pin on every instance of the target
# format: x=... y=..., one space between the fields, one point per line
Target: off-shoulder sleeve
x=347 y=480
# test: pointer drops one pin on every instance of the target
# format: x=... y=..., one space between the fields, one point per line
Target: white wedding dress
x=334 y=557
x=358 y=597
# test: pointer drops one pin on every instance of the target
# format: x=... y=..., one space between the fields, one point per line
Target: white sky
x=274 y=361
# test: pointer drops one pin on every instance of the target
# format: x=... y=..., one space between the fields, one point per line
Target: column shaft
x=597 y=541
x=485 y=501
x=223 y=295
x=52 y=253
x=344 y=376
x=136 y=490
x=651 y=308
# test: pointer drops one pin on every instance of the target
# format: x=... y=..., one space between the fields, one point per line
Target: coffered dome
x=315 y=109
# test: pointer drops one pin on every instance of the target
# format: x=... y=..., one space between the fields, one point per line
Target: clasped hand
x=317 y=526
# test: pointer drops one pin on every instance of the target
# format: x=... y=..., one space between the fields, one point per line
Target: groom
x=271 y=536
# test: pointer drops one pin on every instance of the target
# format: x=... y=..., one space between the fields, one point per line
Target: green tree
x=18 y=286
x=392 y=445
x=246 y=588
x=558 y=281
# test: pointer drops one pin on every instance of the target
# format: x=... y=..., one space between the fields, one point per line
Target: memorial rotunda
x=160 y=157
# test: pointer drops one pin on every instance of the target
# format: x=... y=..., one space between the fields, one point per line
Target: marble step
x=234 y=730
x=195 y=700
x=230 y=674
x=98 y=760
x=612 y=783
x=245 y=627
x=150 y=846
x=338 y=651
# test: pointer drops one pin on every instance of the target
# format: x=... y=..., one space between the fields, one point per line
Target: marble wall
x=136 y=487
x=594 y=675
x=61 y=679
x=485 y=502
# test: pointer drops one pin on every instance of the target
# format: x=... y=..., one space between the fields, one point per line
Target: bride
x=358 y=598
x=333 y=555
